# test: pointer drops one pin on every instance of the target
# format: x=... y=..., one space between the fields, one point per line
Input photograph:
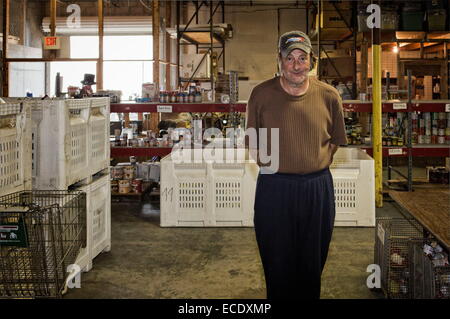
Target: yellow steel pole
x=376 y=116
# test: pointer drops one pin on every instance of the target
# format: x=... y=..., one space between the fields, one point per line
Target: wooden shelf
x=201 y=37
x=430 y=208
x=195 y=80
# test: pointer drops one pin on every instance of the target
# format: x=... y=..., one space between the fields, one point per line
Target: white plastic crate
x=207 y=194
x=15 y=147
x=148 y=171
x=60 y=143
x=353 y=174
x=98 y=135
x=98 y=206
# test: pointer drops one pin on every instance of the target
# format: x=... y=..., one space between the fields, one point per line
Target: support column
x=100 y=46
x=377 y=116
x=5 y=69
x=155 y=27
x=168 y=46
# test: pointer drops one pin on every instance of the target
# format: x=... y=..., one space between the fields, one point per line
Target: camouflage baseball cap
x=294 y=40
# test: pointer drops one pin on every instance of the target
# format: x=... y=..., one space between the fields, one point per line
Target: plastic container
x=437 y=20
x=98 y=135
x=354 y=187
x=389 y=19
x=206 y=194
x=15 y=147
x=98 y=217
x=70 y=140
x=412 y=20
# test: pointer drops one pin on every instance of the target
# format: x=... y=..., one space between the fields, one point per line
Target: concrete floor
x=147 y=261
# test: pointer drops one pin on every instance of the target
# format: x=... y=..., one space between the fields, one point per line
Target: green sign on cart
x=14 y=234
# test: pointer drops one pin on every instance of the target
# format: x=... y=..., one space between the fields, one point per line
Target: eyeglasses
x=300 y=60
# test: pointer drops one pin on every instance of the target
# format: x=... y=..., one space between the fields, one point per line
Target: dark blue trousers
x=294 y=219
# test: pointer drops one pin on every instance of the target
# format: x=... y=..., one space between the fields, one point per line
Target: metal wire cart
x=41 y=234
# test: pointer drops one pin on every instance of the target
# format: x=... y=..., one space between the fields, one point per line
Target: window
x=72 y=74
x=127 y=63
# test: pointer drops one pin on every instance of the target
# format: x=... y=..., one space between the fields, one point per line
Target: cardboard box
x=190 y=63
x=148 y=90
x=438 y=174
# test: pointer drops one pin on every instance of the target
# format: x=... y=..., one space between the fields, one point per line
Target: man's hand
x=333 y=150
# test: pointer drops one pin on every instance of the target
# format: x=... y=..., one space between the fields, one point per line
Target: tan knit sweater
x=307 y=124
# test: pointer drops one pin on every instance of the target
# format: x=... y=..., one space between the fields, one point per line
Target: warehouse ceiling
x=227 y=2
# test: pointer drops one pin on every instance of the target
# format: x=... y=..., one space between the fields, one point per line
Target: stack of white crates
x=70 y=144
x=202 y=193
x=353 y=174
x=15 y=147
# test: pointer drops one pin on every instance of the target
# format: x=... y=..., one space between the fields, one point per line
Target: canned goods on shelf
x=136 y=185
x=129 y=172
x=114 y=186
x=116 y=172
x=124 y=187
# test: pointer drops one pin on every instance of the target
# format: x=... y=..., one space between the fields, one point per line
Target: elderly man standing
x=294 y=206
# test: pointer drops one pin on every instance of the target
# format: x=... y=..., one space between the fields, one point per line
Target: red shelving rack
x=349 y=106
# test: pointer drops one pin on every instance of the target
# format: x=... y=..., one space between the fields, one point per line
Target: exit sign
x=52 y=43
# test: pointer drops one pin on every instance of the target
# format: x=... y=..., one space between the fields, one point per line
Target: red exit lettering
x=50 y=41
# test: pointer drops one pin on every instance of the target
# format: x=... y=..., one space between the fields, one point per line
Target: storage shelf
x=428 y=150
x=201 y=37
x=349 y=106
x=140 y=151
x=388 y=106
x=431 y=150
x=195 y=80
x=177 y=107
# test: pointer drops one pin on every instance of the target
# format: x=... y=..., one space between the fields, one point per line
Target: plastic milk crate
x=203 y=193
x=98 y=220
x=15 y=147
x=70 y=141
x=353 y=174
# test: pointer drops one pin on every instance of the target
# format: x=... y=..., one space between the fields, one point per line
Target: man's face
x=295 y=66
